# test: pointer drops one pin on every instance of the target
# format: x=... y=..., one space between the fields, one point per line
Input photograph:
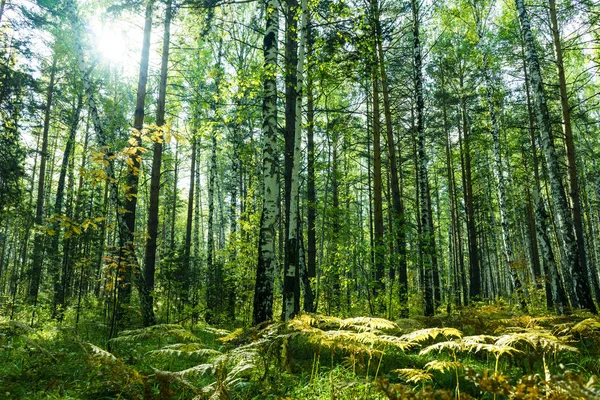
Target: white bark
x=265 y=274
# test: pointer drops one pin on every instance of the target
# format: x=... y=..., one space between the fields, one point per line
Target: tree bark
x=311 y=213
x=398 y=219
x=38 y=241
x=265 y=269
x=291 y=304
x=580 y=268
x=153 y=206
x=59 y=290
x=577 y=287
x=498 y=168
x=426 y=243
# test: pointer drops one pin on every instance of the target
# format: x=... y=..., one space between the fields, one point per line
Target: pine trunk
x=150 y=254
x=38 y=241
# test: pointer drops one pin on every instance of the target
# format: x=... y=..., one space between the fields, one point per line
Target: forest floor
x=484 y=352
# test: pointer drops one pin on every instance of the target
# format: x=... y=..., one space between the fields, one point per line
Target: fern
x=538 y=340
x=156 y=331
x=423 y=335
x=187 y=349
x=413 y=375
x=101 y=353
x=443 y=366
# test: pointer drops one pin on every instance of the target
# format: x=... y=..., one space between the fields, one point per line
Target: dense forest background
x=182 y=165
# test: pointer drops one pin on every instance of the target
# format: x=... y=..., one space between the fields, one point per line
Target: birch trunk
x=265 y=269
x=498 y=168
x=291 y=305
x=577 y=287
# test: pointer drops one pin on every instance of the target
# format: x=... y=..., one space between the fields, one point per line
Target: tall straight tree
x=38 y=242
x=267 y=260
x=127 y=249
x=498 y=168
x=426 y=244
x=580 y=269
x=150 y=255
x=577 y=284
x=311 y=195
x=291 y=300
x=59 y=289
x=398 y=220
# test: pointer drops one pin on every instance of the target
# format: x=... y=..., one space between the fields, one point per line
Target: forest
x=294 y=199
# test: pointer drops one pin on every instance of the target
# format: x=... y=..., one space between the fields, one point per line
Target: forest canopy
x=408 y=185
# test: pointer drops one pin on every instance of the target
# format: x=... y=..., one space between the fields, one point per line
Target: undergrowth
x=483 y=353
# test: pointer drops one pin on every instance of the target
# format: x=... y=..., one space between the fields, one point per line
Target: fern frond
x=413 y=375
x=423 y=335
x=187 y=349
x=538 y=340
x=199 y=369
x=368 y=323
x=156 y=331
x=586 y=326
x=452 y=345
x=442 y=366
x=101 y=353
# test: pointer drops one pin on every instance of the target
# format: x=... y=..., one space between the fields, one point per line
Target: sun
x=111 y=41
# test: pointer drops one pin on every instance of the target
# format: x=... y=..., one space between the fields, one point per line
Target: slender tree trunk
x=474 y=270
x=265 y=270
x=398 y=220
x=150 y=255
x=102 y=142
x=498 y=168
x=185 y=268
x=580 y=268
x=38 y=242
x=295 y=63
x=574 y=266
x=311 y=192
x=127 y=251
x=290 y=69
x=426 y=242
x=558 y=297
x=378 y=244
x=59 y=290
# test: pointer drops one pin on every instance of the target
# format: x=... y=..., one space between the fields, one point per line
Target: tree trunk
x=577 y=287
x=465 y=141
x=378 y=244
x=102 y=142
x=38 y=242
x=554 y=282
x=311 y=213
x=59 y=290
x=580 y=268
x=426 y=242
x=498 y=168
x=127 y=251
x=150 y=255
x=265 y=269
x=398 y=221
